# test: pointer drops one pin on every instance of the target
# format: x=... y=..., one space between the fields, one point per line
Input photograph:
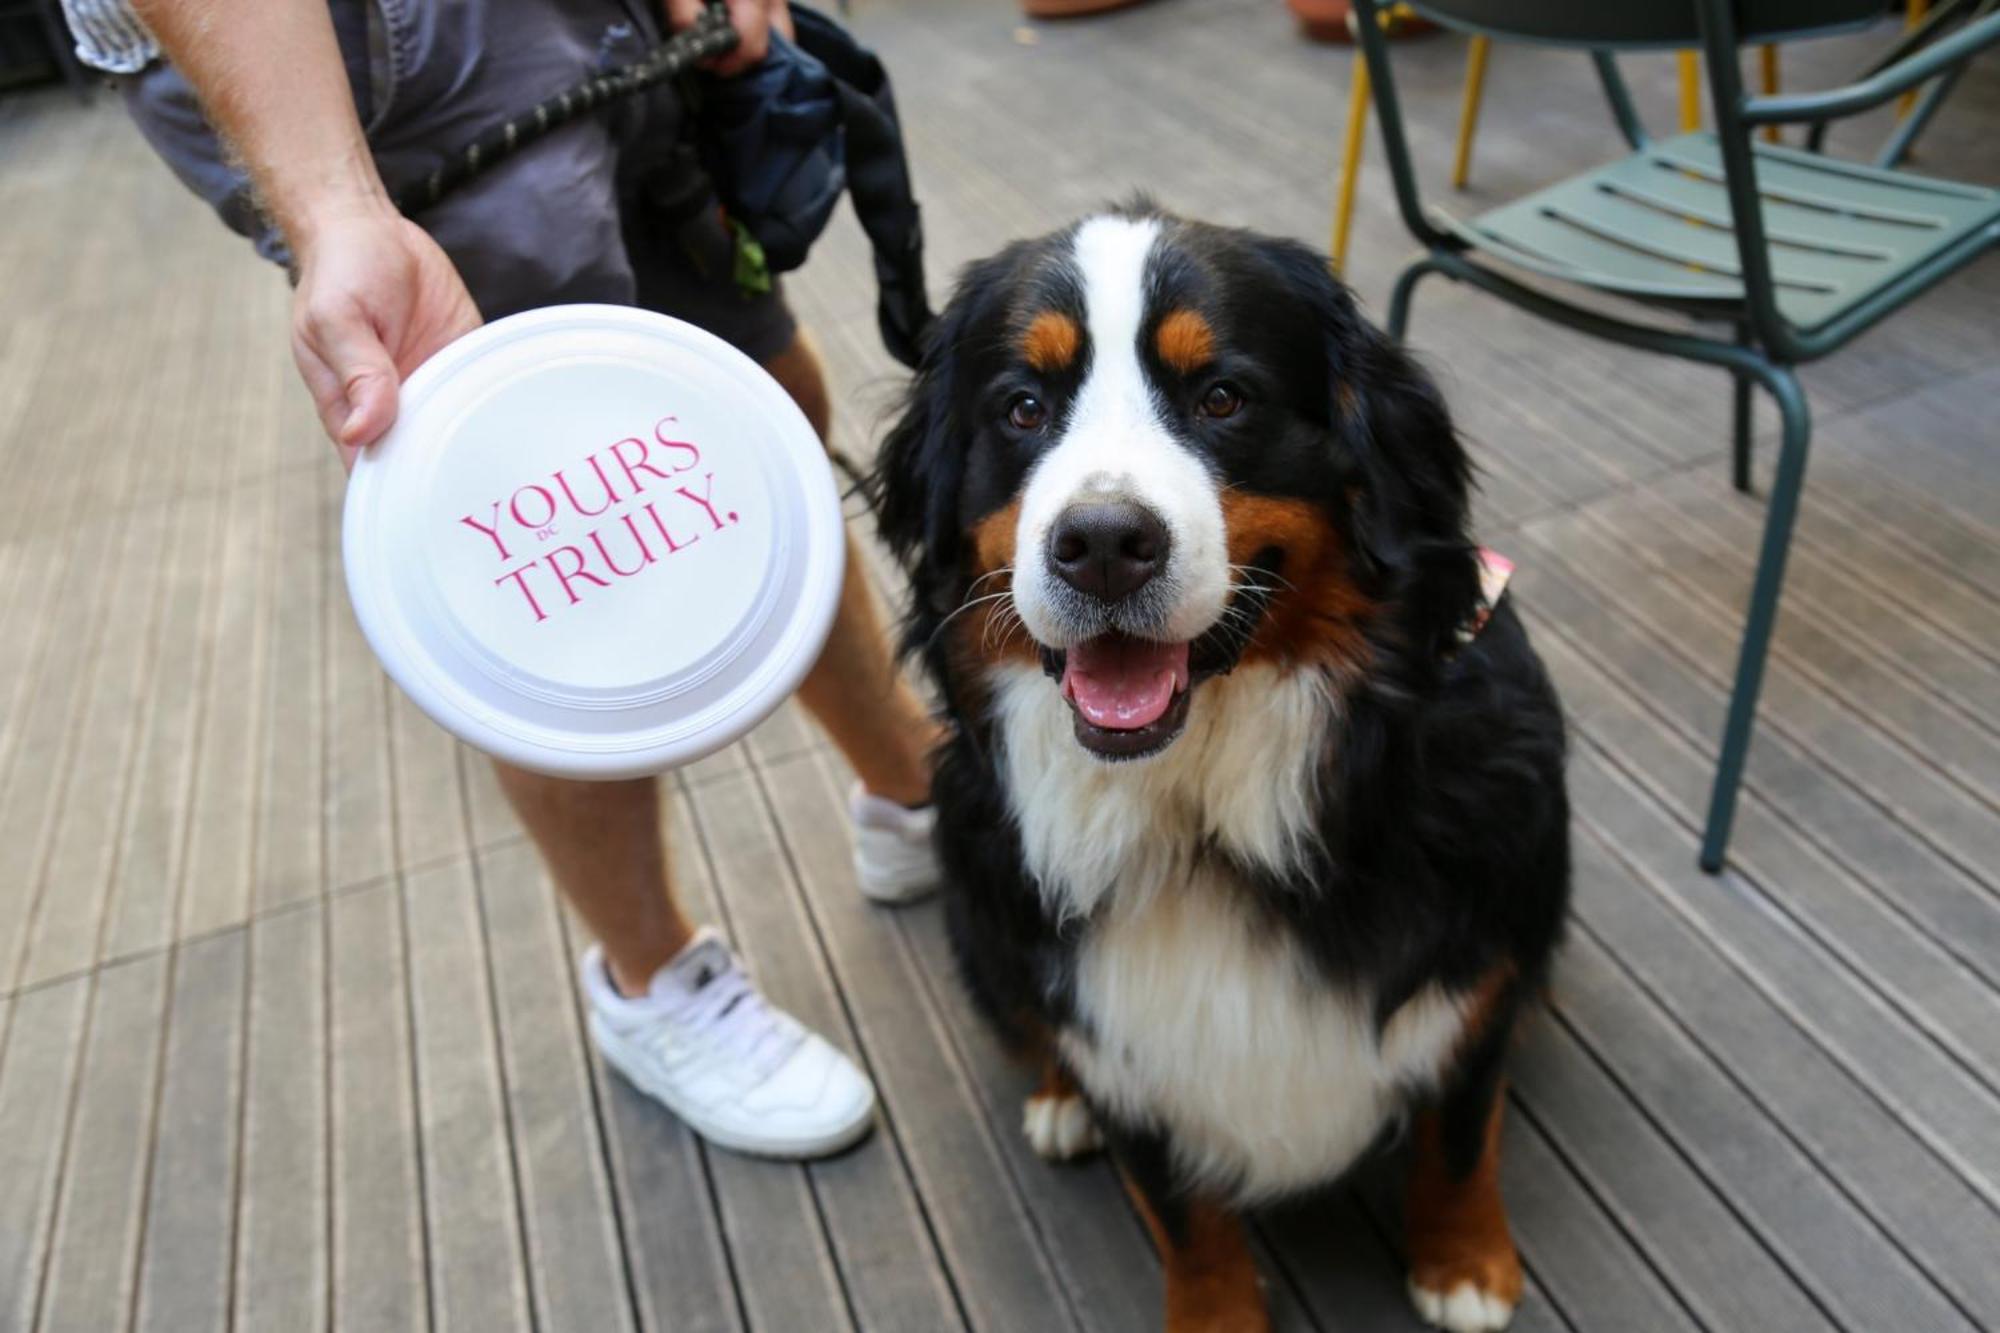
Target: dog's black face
x=1143 y=451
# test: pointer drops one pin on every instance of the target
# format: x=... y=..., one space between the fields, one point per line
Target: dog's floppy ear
x=920 y=468
x=1411 y=510
x=1413 y=514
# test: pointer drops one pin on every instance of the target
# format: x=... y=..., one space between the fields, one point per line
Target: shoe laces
x=726 y=1013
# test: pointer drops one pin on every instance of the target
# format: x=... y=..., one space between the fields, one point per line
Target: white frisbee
x=597 y=543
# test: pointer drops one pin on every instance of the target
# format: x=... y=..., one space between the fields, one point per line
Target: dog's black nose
x=1108 y=550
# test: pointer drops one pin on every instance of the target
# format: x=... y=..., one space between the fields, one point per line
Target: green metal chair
x=1794 y=253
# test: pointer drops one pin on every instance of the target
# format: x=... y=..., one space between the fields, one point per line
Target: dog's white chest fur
x=1196 y=1014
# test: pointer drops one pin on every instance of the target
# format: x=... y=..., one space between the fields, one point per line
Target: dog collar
x=1495 y=570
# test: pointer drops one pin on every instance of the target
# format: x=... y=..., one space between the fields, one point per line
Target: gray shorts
x=613 y=207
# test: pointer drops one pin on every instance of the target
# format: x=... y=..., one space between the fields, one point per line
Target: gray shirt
x=109 y=36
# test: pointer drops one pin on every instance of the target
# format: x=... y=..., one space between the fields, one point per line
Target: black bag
x=785 y=138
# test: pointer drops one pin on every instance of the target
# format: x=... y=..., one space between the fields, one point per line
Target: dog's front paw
x=1059 y=1126
x=1466 y=1299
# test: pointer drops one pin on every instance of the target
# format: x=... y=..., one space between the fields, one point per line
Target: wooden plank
x=1837 y=1122
x=1001 y=1256
x=189 y=1239
x=1948 y=605
x=788 y=732
x=142 y=910
x=477 y=1269
x=574 y=1244
x=1940 y=537
x=1586 y=1271
x=428 y=812
x=1831 y=655
x=491 y=820
x=1933 y=441
x=222 y=827
x=1937 y=898
x=1915 y=975
x=377 y=1203
x=292 y=764
x=1957 y=676
x=360 y=843
x=1849 y=1265
x=182 y=415
x=95 y=1238
x=1712 y=958
x=855 y=1215
x=40 y=753
x=282 y=1234
x=1936 y=1099
x=76 y=879
x=1843 y=740
x=682 y=1270
x=38 y=1067
x=1688 y=1234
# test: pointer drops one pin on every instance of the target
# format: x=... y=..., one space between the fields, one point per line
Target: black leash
x=710 y=36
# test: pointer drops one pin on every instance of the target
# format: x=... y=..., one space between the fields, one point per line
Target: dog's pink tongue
x=1122 y=683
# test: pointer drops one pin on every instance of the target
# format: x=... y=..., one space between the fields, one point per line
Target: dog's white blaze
x=1115 y=447
x=1195 y=1015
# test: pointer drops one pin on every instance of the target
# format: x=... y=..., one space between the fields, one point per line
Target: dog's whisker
x=1261 y=572
x=962 y=608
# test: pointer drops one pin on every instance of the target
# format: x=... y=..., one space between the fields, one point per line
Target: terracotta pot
x=1322 y=20
x=1070 y=9
x=1326 y=21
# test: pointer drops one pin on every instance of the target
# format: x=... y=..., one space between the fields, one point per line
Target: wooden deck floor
x=287 y=1029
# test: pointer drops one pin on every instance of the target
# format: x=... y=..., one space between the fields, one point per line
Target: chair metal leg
x=1739 y=470
x=1763 y=612
x=1690 y=71
x=1767 y=64
x=1350 y=162
x=1468 y=109
x=1914 y=122
x=1913 y=16
x=1399 y=296
x=1741 y=422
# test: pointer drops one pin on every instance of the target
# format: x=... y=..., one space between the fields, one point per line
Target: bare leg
x=854 y=690
x=602 y=840
x=602 y=843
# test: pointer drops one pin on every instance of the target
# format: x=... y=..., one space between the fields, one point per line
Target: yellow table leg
x=1468 y=109
x=1913 y=14
x=1768 y=61
x=1690 y=92
x=1350 y=161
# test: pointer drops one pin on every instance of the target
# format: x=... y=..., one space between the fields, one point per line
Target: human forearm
x=270 y=77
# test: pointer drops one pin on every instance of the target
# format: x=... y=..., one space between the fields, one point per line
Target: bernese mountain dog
x=1251 y=809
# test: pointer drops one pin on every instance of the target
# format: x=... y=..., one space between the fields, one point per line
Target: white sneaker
x=894 y=858
x=741 y=1073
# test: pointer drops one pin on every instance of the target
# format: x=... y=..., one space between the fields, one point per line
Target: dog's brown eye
x=1221 y=400
x=1026 y=412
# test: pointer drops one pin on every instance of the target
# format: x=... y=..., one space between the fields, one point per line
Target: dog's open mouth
x=1129 y=695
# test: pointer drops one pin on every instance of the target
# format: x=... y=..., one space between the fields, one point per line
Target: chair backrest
x=1643 y=23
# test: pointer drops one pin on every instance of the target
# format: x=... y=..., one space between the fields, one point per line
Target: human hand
x=375 y=298
x=753 y=21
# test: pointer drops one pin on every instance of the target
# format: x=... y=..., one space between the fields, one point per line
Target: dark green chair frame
x=1766 y=347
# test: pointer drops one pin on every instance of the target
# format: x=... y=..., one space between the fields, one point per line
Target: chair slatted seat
x=1657 y=224
x=1795 y=253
